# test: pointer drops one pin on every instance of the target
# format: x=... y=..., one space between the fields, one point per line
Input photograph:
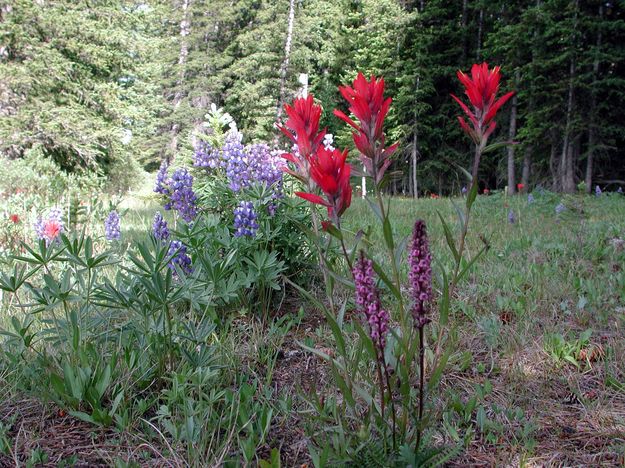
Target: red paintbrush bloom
x=302 y=128
x=367 y=104
x=14 y=218
x=481 y=89
x=52 y=229
x=330 y=171
x=520 y=187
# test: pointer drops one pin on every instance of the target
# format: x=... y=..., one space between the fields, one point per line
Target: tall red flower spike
x=481 y=89
x=302 y=128
x=367 y=104
x=330 y=171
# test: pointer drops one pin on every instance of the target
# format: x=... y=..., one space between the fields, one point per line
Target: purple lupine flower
x=245 y=217
x=112 y=226
x=180 y=257
x=620 y=190
x=51 y=226
x=235 y=158
x=464 y=190
x=598 y=191
x=368 y=302
x=206 y=156
x=265 y=166
x=159 y=227
x=162 y=182
x=530 y=199
x=560 y=208
x=511 y=217
x=181 y=195
x=420 y=274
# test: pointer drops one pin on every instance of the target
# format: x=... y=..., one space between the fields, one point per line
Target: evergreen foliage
x=106 y=84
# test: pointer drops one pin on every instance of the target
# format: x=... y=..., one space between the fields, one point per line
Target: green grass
x=536 y=376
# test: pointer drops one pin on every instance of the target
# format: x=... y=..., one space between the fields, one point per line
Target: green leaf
x=337 y=332
x=385 y=279
x=388 y=233
x=472 y=195
x=449 y=237
x=500 y=144
x=375 y=208
x=436 y=375
x=472 y=261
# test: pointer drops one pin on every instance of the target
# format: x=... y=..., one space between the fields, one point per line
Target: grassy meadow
x=536 y=378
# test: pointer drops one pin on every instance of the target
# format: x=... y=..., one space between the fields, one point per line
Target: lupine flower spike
x=111 y=226
x=366 y=102
x=598 y=191
x=159 y=227
x=180 y=257
x=511 y=217
x=245 y=217
x=369 y=304
x=420 y=274
x=481 y=88
x=181 y=195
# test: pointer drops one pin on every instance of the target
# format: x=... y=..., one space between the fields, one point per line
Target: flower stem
x=421 y=387
x=390 y=396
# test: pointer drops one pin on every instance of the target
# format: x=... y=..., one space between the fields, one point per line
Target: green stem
x=396 y=276
x=338 y=226
x=421 y=387
x=390 y=396
x=168 y=323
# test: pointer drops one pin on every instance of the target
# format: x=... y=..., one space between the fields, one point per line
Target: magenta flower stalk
x=420 y=274
x=368 y=302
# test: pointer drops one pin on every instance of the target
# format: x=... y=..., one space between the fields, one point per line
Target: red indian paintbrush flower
x=302 y=128
x=481 y=89
x=331 y=173
x=367 y=104
x=14 y=218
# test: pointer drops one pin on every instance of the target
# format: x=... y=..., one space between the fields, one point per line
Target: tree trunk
x=592 y=129
x=287 y=56
x=566 y=162
x=527 y=166
x=185 y=27
x=480 y=27
x=465 y=46
x=415 y=150
x=511 y=136
x=566 y=143
x=553 y=168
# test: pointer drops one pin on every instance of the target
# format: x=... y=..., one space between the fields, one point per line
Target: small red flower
x=331 y=173
x=14 y=218
x=520 y=187
x=367 y=104
x=434 y=196
x=486 y=191
x=52 y=229
x=481 y=89
x=302 y=128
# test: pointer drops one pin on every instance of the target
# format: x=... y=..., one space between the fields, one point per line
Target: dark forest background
x=113 y=86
